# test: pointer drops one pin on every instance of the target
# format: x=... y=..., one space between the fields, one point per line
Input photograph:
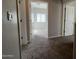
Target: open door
x=70 y=20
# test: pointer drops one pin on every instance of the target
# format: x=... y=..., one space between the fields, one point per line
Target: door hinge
x=21 y=20
x=21 y=37
x=19 y=1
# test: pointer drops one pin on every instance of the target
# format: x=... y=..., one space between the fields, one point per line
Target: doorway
x=39 y=19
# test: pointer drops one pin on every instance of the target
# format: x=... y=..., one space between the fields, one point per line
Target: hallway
x=32 y=29
x=43 y=48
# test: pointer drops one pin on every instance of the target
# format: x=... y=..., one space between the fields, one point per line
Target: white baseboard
x=59 y=36
x=54 y=36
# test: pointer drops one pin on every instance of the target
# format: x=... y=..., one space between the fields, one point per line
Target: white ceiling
x=39 y=5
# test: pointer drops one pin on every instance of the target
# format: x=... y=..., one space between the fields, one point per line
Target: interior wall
x=54 y=18
x=10 y=38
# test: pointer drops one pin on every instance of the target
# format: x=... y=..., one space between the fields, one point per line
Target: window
x=39 y=17
x=43 y=18
x=32 y=17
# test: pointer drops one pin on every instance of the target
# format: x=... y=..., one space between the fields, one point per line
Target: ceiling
x=39 y=5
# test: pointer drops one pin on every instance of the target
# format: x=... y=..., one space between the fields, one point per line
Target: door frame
x=17 y=10
x=29 y=15
x=63 y=18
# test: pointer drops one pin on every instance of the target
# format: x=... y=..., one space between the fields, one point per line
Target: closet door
x=69 y=21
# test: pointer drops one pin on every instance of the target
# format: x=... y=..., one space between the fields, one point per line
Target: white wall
x=54 y=18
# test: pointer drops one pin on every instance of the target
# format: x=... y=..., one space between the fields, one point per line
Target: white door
x=10 y=38
x=69 y=22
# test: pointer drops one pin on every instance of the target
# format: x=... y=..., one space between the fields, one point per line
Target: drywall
x=10 y=39
x=54 y=18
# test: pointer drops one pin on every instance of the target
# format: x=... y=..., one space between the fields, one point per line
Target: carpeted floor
x=44 y=48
